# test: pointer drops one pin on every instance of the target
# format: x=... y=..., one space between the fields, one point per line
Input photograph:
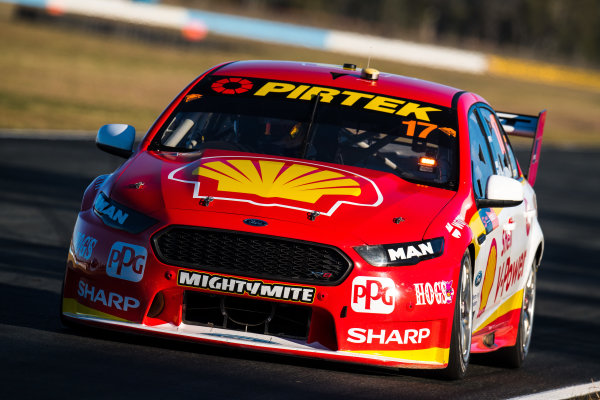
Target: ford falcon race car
x=319 y=211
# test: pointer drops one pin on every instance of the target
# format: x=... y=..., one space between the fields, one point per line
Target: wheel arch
x=471 y=250
x=539 y=252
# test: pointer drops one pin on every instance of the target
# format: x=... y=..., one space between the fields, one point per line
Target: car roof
x=338 y=77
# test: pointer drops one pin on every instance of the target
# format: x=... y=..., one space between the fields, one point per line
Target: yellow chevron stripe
x=73 y=307
x=513 y=303
x=433 y=354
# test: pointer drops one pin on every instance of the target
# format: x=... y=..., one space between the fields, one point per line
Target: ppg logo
x=126 y=261
x=373 y=295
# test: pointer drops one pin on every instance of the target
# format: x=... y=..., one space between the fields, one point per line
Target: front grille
x=245 y=254
x=247 y=315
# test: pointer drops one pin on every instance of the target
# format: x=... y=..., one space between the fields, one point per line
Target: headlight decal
x=118 y=216
x=401 y=253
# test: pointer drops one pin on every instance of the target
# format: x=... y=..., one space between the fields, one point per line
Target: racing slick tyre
x=513 y=356
x=462 y=325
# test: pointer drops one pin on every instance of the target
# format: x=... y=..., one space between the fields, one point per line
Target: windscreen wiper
x=309 y=131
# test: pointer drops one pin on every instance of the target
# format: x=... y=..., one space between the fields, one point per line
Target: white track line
x=564 y=393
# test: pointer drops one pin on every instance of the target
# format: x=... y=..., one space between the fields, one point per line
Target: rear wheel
x=460 y=343
x=514 y=356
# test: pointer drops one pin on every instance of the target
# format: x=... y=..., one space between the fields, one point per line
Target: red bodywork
x=412 y=322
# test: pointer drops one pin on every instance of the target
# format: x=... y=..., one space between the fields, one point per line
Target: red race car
x=319 y=211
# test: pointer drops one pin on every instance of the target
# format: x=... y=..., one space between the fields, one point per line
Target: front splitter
x=419 y=359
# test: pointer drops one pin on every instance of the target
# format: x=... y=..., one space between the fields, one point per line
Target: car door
x=485 y=222
x=488 y=224
x=514 y=229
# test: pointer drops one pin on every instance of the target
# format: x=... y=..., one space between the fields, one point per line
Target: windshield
x=415 y=141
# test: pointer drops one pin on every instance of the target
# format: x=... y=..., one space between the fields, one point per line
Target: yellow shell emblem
x=269 y=179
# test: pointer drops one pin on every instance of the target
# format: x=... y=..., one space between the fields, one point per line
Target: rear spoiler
x=528 y=126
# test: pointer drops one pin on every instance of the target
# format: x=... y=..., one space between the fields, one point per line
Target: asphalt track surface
x=41 y=183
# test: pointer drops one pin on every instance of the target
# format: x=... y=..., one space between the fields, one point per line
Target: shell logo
x=271 y=179
x=488 y=279
x=284 y=183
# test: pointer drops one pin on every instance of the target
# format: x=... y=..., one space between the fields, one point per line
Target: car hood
x=362 y=205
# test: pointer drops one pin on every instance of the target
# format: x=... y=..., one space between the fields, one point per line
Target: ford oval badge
x=255 y=222
x=478 y=279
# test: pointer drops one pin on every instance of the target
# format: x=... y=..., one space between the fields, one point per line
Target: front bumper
x=395 y=317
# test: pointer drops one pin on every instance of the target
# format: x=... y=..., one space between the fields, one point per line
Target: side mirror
x=502 y=191
x=116 y=139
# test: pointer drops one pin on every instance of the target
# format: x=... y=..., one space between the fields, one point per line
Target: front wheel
x=462 y=325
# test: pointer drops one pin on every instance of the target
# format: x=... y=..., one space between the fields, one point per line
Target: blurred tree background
x=567 y=31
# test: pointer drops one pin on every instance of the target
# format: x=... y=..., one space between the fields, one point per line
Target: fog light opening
x=157 y=306
x=489 y=340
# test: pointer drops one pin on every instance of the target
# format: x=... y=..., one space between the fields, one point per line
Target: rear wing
x=528 y=126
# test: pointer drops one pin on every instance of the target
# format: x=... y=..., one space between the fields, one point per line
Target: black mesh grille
x=251 y=255
x=247 y=315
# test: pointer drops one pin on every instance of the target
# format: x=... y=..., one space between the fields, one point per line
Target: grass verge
x=54 y=77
